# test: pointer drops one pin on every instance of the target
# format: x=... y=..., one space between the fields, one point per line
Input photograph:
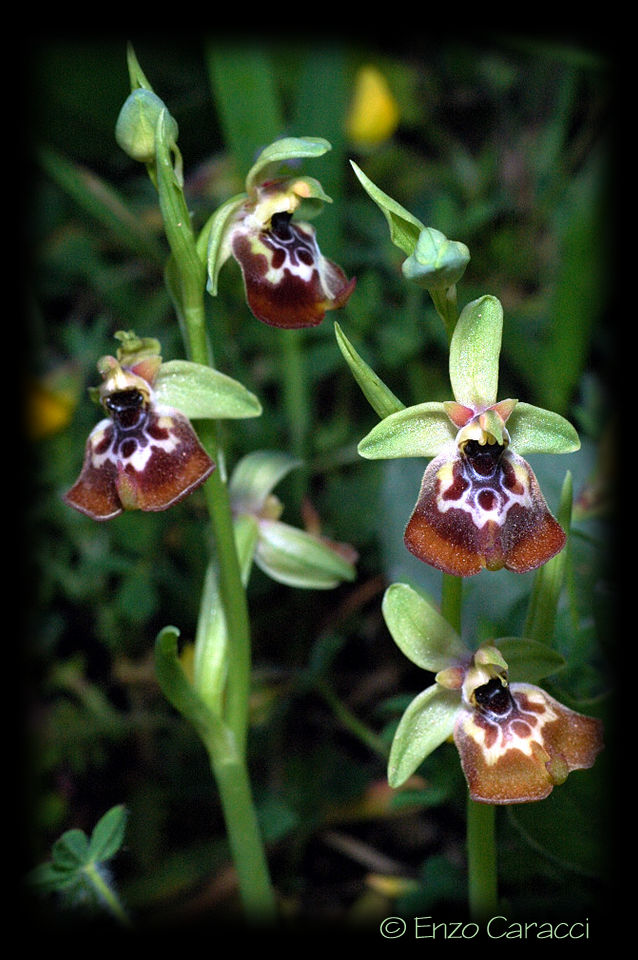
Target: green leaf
x=380 y=397
x=71 y=850
x=419 y=431
x=404 y=228
x=534 y=430
x=256 y=475
x=282 y=151
x=108 y=834
x=298 y=558
x=474 y=352
x=528 y=660
x=419 y=630
x=200 y=392
x=436 y=263
x=425 y=725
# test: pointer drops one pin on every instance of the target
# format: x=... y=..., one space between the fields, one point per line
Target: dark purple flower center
x=494 y=698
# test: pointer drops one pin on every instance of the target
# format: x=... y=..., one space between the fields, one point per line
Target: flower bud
x=436 y=263
x=137 y=122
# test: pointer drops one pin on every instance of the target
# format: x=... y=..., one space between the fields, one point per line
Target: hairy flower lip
x=144 y=455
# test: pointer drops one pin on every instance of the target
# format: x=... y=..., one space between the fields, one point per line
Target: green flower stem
x=296 y=403
x=187 y=278
x=106 y=894
x=481 y=841
x=481 y=851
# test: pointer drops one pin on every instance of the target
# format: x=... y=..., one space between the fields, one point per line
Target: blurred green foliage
x=502 y=145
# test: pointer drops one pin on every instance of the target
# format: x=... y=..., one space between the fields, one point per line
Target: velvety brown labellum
x=484 y=511
x=140 y=459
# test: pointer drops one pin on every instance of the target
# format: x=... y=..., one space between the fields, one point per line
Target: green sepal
x=528 y=660
x=212 y=243
x=474 y=352
x=436 y=263
x=299 y=559
x=419 y=630
x=534 y=430
x=255 y=477
x=200 y=392
x=425 y=725
x=378 y=395
x=418 y=431
x=404 y=228
x=281 y=151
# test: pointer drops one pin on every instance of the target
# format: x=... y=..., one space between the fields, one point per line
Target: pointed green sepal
x=437 y=263
x=528 y=660
x=214 y=239
x=255 y=477
x=282 y=151
x=404 y=228
x=419 y=431
x=419 y=630
x=378 y=395
x=200 y=392
x=534 y=430
x=300 y=559
x=425 y=725
x=474 y=352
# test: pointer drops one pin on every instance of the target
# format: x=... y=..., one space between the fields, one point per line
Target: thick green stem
x=481 y=854
x=244 y=838
x=481 y=840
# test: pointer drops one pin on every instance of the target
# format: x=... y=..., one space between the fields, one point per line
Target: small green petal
x=380 y=397
x=425 y=725
x=281 y=151
x=200 y=392
x=255 y=477
x=298 y=558
x=404 y=228
x=420 y=632
x=419 y=431
x=474 y=352
x=534 y=430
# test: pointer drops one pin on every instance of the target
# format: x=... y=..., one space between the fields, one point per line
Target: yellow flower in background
x=374 y=113
x=50 y=403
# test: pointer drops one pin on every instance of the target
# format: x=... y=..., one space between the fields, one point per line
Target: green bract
x=380 y=397
x=404 y=228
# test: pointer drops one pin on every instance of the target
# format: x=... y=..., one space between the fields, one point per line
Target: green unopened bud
x=137 y=123
x=436 y=263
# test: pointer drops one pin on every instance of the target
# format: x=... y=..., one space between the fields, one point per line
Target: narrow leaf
x=378 y=395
